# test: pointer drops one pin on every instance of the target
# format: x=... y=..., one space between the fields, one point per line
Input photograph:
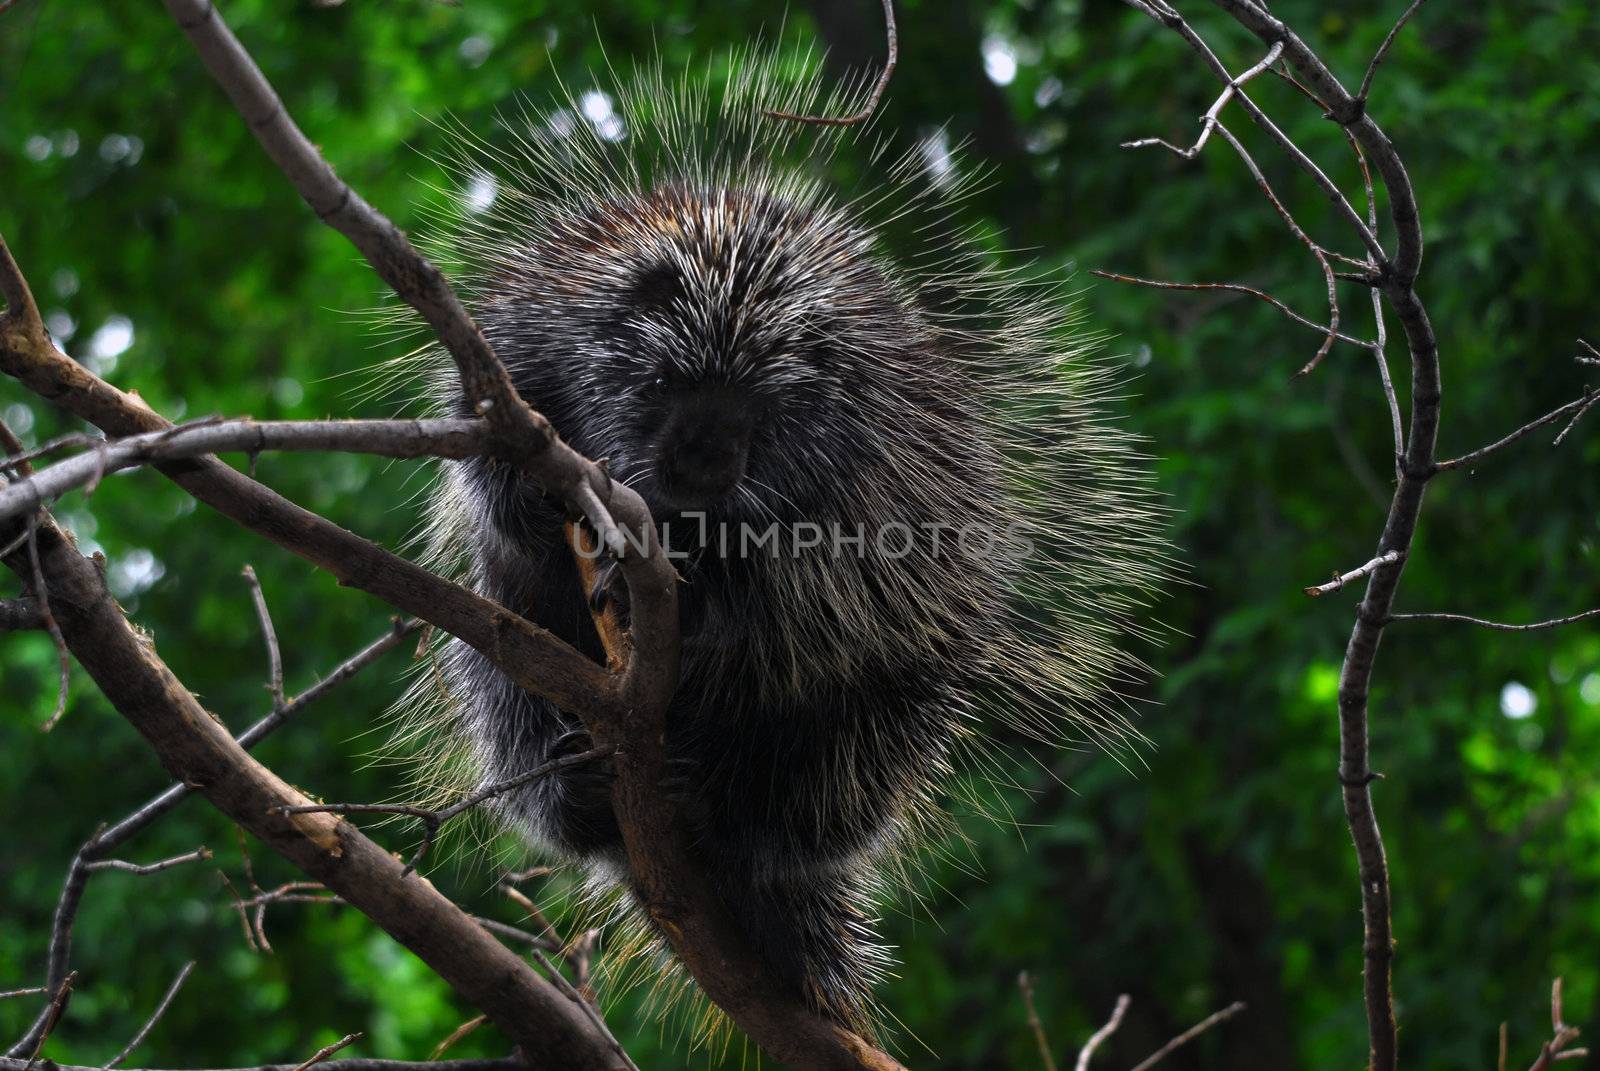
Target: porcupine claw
x=610 y=591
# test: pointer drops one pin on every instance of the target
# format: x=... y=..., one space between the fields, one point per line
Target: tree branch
x=155 y=1017
x=433 y=818
x=506 y=1064
x=1577 y=407
x=1341 y=579
x=1383 y=50
x=1190 y=1034
x=385 y=438
x=1497 y=626
x=20 y=615
x=1099 y=1036
x=866 y=110
x=197 y=749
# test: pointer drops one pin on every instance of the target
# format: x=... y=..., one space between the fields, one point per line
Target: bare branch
x=456 y=1035
x=41 y=593
x=1395 y=277
x=197 y=747
x=20 y=615
x=198 y=855
x=1497 y=626
x=1099 y=1036
x=1209 y=119
x=385 y=438
x=1237 y=288
x=1190 y=1034
x=328 y=1050
x=1577 y=407
x=1025 y=983
x=1383 y=50
x=1562 y=1036
x=503 y=1064
x=20 y=308
x=432 y=819
x=1302 y=237
x=523 y=438
x=105 y=841
x=878 y=88
x=269 y=636
x=1594 y=396
x=1169 y=17
x=1341 y=579
x=155 y=1017
x=49 y=1018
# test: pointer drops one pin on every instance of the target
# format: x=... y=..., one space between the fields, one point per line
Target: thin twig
x=198 y=855
x=1025 y=983
x=1190 y=1034
x=328 y=1050
x=1209 y=119
x=1341 y=579
x=63 y=656
x=269 y=635
x=1099 y=1036
x=456 y=1035
x=52 y=1016
x=155 y=1017
x=878 y=89
x=28 y=992
x=1496 y=625
x=432 y=819
x=1237 y=288
x=1383 y=50
x=1304 y=239
x=1562 y=1035
x=1577 y=406
x=1594 y=396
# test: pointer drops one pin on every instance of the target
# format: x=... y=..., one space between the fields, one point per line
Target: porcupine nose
x=706 y=443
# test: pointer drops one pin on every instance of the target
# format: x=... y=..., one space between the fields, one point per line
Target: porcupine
x=684 y=291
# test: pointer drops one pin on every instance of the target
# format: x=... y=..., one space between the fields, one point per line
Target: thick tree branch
x=197 y=749
x=105 y=841
x=522 y=437
x=20 y=615
x=9 y=1064
x=532 y=657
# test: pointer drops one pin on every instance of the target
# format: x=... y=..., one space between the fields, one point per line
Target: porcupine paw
x=610 y=591
x=584 y=812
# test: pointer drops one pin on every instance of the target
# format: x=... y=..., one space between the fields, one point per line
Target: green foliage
x=136 y=200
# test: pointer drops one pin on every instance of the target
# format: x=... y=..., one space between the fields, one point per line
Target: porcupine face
x=722 y=348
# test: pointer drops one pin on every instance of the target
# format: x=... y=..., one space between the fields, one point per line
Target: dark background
x=175 y=260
